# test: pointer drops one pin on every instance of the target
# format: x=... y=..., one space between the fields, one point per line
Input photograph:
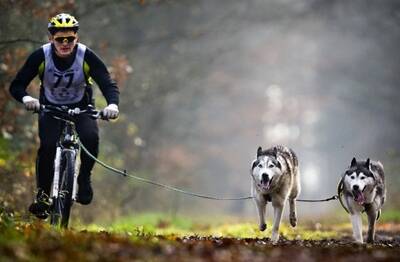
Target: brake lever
x=99 y=115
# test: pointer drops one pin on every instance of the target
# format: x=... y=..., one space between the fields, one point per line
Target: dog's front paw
x=370 y=240
x=358 y=240
x=262 y=227
x=293 y=221
x=275 y=237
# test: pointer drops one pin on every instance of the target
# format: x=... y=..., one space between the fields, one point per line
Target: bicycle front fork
x=56 y=179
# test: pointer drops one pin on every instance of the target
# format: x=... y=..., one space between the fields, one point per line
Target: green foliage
x=5 y=153
x=391 y=215
x=166 y=70
x=148 y=223
x=9 y=233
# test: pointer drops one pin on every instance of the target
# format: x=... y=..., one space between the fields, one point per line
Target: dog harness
x=64 y=87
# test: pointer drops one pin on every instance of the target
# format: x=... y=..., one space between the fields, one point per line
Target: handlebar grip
x=102 y=116
x=98 y=115
x=37 y=111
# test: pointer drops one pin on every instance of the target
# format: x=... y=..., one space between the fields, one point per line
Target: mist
x=213 y=80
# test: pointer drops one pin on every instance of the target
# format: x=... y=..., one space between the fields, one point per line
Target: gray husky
x=276 y=178
x=363 y=189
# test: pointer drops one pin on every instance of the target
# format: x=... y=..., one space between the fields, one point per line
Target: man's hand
x=31 y=104
x=111 y=111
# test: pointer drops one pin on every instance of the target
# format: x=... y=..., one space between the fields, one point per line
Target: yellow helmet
x=62 y=21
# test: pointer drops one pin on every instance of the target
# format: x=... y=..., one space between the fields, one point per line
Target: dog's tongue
x=267 y=184
x=359 y=197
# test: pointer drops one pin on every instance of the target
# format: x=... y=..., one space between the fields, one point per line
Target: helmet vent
x=62 y=21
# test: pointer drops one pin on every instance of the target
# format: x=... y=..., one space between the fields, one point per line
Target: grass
x=160 y=224
x=15 y=231
x=157 y=224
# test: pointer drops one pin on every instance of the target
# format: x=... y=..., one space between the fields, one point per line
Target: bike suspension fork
x=56 y=178
x=57 y=168
x=76 y=173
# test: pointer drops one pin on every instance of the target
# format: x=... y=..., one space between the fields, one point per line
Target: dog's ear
x=367 y=164
x=278 y=165
x=275 y=152
x=353 y=162
x=259 y=151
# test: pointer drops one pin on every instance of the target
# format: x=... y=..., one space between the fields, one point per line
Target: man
x=66 y=69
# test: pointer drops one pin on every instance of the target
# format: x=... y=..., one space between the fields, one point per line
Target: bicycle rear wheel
x=62 y=203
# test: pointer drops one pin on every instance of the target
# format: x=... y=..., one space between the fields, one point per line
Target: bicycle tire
x=63 y=202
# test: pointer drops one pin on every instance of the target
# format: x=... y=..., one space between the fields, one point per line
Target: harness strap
x=340 y=194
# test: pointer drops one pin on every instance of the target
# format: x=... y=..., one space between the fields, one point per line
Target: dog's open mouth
x=265 y=185
x=358 y=197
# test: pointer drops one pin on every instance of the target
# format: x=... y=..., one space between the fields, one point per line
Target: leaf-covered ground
x=153 y=238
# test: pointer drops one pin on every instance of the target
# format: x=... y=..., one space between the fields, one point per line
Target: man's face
x=64 y=42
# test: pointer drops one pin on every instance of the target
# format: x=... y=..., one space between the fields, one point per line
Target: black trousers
x=49 y=133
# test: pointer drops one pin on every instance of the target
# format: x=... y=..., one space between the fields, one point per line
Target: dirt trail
x=103 y=246
x=39 y=242
x=215 y=249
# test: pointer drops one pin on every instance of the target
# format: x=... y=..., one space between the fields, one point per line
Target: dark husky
x=363 y=189
x=276 y=178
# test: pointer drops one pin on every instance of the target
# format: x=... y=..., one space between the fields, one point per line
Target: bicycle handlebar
x=65 y=111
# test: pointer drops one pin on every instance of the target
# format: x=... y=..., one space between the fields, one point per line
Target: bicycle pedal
x=42 y=215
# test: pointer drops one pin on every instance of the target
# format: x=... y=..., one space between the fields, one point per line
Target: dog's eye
x=271 y=166
x=352 y=177
x=260 y=166
x=362 y=178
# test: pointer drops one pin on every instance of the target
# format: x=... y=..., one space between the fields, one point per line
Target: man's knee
x=90 y=139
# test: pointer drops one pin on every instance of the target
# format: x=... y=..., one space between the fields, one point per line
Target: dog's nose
x=356 y=188
x=264 y=177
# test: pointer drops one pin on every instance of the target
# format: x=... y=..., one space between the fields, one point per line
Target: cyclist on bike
x=66 y=69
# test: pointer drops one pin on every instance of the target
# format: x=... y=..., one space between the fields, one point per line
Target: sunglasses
x=67 y=39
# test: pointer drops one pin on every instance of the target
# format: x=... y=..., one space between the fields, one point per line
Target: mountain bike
x=66 y=168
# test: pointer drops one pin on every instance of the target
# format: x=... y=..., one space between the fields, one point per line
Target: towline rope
x=125 y=174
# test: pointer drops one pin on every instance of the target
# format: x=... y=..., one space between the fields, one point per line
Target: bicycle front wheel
x=63 y=202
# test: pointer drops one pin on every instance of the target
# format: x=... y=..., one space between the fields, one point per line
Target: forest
x=202 y=85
